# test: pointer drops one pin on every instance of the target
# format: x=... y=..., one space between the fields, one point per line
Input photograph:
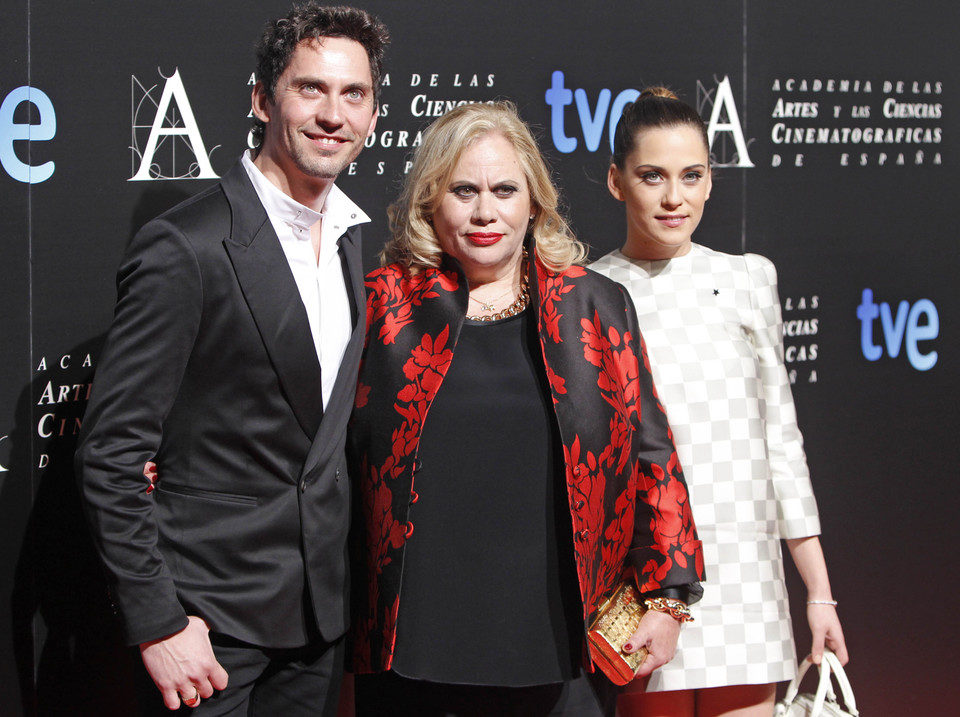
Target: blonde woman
x=513 y=461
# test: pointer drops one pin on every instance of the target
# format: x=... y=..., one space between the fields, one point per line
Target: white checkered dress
x=712 y=326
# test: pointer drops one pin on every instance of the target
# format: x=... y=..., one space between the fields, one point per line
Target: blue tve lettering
x=903 y=329
x=42 y=130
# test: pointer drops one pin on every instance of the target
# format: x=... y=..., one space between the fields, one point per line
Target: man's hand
x=658 y=632
x=183 y=665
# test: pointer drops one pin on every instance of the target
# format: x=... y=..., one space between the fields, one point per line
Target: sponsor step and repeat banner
x=833 y=133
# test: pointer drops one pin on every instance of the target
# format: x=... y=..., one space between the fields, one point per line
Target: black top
x=489 y=594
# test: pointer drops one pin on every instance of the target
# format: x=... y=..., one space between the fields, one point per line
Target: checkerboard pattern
x=711 y=322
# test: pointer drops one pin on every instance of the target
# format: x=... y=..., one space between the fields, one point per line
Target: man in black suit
x=232 y=363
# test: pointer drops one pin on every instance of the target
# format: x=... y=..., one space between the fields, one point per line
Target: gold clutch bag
x=617 y=619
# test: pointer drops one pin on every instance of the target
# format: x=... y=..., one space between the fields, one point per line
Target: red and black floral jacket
x=627 y=495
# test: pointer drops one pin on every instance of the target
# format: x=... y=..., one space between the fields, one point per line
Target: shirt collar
x=340 y=213
x=338 y=209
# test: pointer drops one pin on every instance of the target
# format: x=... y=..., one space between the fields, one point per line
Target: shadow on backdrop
x=67 y=639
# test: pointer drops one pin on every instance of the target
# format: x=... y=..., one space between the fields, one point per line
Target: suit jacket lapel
x=350 y=248
x=341 y=398
x=273 y=298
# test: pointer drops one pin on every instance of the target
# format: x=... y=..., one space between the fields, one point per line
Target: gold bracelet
x=677 y=609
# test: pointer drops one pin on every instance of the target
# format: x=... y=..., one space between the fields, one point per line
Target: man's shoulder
x=213 y=210
x=197 y=225
x=200 y=213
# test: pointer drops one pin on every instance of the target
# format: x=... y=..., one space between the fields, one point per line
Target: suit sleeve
x=157 y=316
x=797 y=514
x=665 y=551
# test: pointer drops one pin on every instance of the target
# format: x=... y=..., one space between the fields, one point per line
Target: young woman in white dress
x=711 y=322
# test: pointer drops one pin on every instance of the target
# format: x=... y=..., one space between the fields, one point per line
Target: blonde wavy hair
x=415 y=244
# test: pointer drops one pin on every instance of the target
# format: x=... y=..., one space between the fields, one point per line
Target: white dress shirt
x=321 y=283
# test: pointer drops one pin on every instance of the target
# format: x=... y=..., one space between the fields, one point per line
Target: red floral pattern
x=425 y=369
x=382 y=532
x=363 y=394
x=404 y=393
x=618 y=379
x=628 y=501
x=557 y=384
x=396 y=294
x=671 y=524
x=595 y=534
x=552 y=288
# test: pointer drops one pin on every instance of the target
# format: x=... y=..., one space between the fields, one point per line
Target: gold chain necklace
x=518 y=305
x=492 y=304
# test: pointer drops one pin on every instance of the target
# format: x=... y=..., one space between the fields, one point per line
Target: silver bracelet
x=822 y=602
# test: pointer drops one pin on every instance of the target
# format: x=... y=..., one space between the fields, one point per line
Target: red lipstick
x=484 y=238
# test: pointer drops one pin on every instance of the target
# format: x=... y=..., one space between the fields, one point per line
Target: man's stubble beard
x=319 y=167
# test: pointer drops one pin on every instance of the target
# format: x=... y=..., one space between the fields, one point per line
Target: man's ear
x=373 y=121
x=260 y=103
x=613 y=182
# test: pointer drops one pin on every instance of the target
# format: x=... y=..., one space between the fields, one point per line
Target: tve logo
x=608 y=109
x=45 y=128
x=902 y=328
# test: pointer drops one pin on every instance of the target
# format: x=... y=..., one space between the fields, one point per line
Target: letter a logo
x=173 y=128
x=723 y=103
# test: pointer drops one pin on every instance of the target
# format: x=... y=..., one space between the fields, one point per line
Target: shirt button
x=579 y=505
x=337 y=476
x=577 y=470
x=303 y=485
x=583 y=534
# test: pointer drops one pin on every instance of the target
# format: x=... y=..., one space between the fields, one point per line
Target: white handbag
x=824 y=702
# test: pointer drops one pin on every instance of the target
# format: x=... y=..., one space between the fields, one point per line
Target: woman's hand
x=150 y=473
x=821 y=615
x=825 y=628
x=658 y=632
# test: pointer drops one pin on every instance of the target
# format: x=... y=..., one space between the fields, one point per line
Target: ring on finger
x=192 y=701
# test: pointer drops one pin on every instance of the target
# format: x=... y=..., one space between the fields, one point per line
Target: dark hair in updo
x=655 y=107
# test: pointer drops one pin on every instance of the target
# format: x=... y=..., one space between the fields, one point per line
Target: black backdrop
x=844 y=110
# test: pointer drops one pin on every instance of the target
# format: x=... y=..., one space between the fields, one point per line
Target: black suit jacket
x=210 y=370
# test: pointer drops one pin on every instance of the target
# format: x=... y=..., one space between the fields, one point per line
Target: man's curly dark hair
x=313 y=20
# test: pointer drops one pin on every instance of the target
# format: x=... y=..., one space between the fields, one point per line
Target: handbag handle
x=793 y=689
x=846 y=689
x=829 y=664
